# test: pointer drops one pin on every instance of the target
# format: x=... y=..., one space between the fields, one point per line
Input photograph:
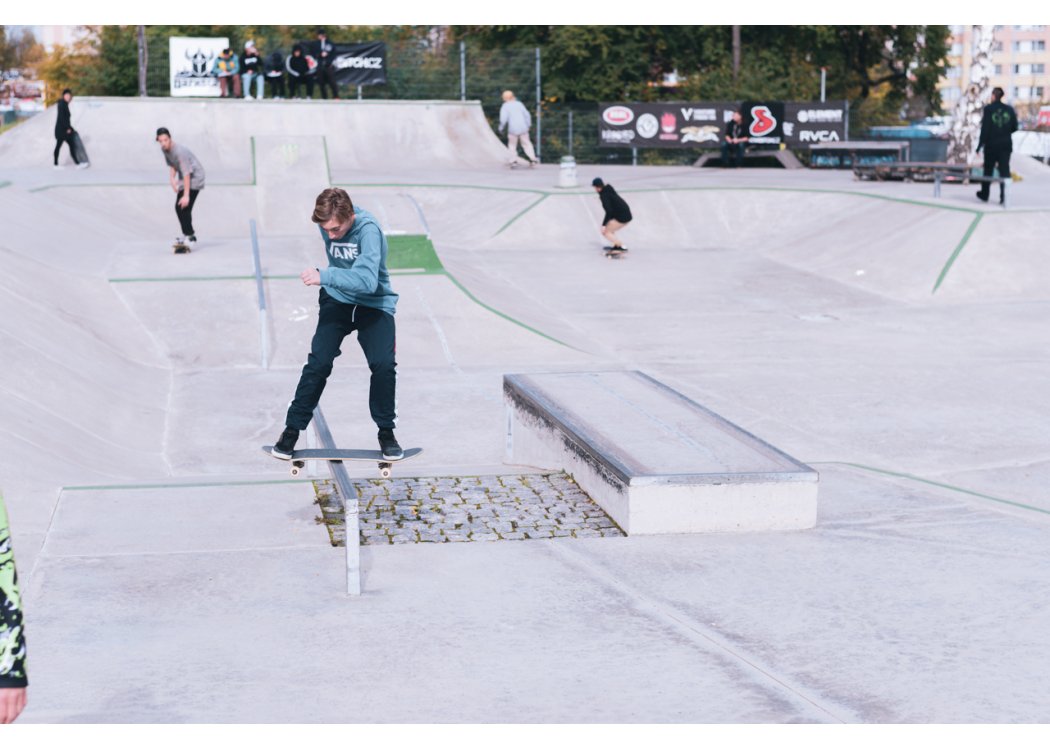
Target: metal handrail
x=350 y=506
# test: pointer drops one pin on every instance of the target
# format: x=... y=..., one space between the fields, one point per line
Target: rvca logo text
x=344 y=250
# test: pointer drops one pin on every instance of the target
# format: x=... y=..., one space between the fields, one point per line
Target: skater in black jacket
x=64 y=132
x=998 y=124
x=617 y=213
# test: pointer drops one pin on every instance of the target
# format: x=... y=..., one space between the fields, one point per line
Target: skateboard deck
x=78 y=148
x=300 y=457
x=180 y=247
x=614 y=252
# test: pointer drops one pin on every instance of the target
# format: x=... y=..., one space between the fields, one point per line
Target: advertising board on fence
x=359 y=64
x=702 y=124
x=191 y=64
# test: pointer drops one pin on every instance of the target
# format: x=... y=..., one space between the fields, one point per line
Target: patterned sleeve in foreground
x=12 y=635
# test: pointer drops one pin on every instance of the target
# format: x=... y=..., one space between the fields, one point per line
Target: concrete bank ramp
x=899 y=250
x=119 y=133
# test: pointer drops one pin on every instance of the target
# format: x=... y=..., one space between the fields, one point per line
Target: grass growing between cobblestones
x=467 y=509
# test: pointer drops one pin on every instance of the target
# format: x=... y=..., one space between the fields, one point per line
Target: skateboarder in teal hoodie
x=355 y=295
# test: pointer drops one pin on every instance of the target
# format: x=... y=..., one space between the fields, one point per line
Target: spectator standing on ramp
x=13 y=680
x=64 y=132
x=187 y=180
x=324 y=51
x=355 y=295
x=516 y=119
x=253 y=70
x=998 y=124
x=734 y=142
x=617 y=214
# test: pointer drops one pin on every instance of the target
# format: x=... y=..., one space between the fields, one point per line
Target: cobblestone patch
x=430 y=510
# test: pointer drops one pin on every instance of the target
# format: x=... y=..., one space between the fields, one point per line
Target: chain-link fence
x=421 y=70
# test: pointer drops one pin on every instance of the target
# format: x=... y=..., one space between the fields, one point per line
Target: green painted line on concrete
x=42 y=188
x=439 y=185
x=4 y=184
x=176 y=485
x=152 y=279
x=942 y=485
x=522 y=213
x=508 y=317
x=957 y=251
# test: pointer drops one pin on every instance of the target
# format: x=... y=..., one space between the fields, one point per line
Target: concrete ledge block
x=654 y=460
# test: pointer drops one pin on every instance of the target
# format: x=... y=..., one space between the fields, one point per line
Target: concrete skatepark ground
x=172 y=573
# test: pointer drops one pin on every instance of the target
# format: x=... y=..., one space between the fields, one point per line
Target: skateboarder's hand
x=184 y=201
x=311 y=277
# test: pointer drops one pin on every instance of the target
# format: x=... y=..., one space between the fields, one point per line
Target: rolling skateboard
x=180 y=247
x=614 y=252
x=300 y=457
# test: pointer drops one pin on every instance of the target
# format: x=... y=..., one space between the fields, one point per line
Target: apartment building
x=1021 y=66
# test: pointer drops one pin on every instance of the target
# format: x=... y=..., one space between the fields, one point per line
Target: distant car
x=12 y=75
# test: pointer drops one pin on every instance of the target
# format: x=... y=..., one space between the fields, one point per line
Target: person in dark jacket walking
x=617 y=214
x=64 y=132
x=998 y=124
x=355 y=295
x=13 y=678
x=301 y=69
x=323 y=51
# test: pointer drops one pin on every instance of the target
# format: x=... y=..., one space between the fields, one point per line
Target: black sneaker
x=286 y=444
x=982 y=195
x=388 y=445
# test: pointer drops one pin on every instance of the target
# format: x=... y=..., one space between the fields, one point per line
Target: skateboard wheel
x=384 y=471
x=295 y=471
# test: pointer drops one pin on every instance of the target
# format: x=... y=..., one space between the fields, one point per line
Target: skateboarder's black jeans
x=186 y=214
x=67 y=138
x=994 y=157
x=376 y=335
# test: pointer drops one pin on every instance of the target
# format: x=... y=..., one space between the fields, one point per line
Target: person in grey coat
x=516 y=119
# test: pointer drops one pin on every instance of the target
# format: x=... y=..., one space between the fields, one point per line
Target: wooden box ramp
x=655 y=461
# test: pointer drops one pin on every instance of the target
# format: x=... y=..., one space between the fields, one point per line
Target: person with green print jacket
x=13 y=679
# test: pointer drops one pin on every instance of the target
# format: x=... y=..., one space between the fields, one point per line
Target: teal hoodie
x=356 y=272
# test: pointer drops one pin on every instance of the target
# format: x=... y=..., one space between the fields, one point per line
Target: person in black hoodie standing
x=64 y=132
x=617 y=214
x=997 y=127
x=323 y=51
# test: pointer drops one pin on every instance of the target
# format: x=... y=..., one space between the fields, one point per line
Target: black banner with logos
x=703 y=124
x=359 y=64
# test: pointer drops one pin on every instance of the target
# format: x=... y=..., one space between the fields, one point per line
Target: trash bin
x=567 y=173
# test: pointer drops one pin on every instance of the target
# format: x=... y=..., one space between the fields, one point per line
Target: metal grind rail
x=324 y=437
x=350 y=506
x=264 y=321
